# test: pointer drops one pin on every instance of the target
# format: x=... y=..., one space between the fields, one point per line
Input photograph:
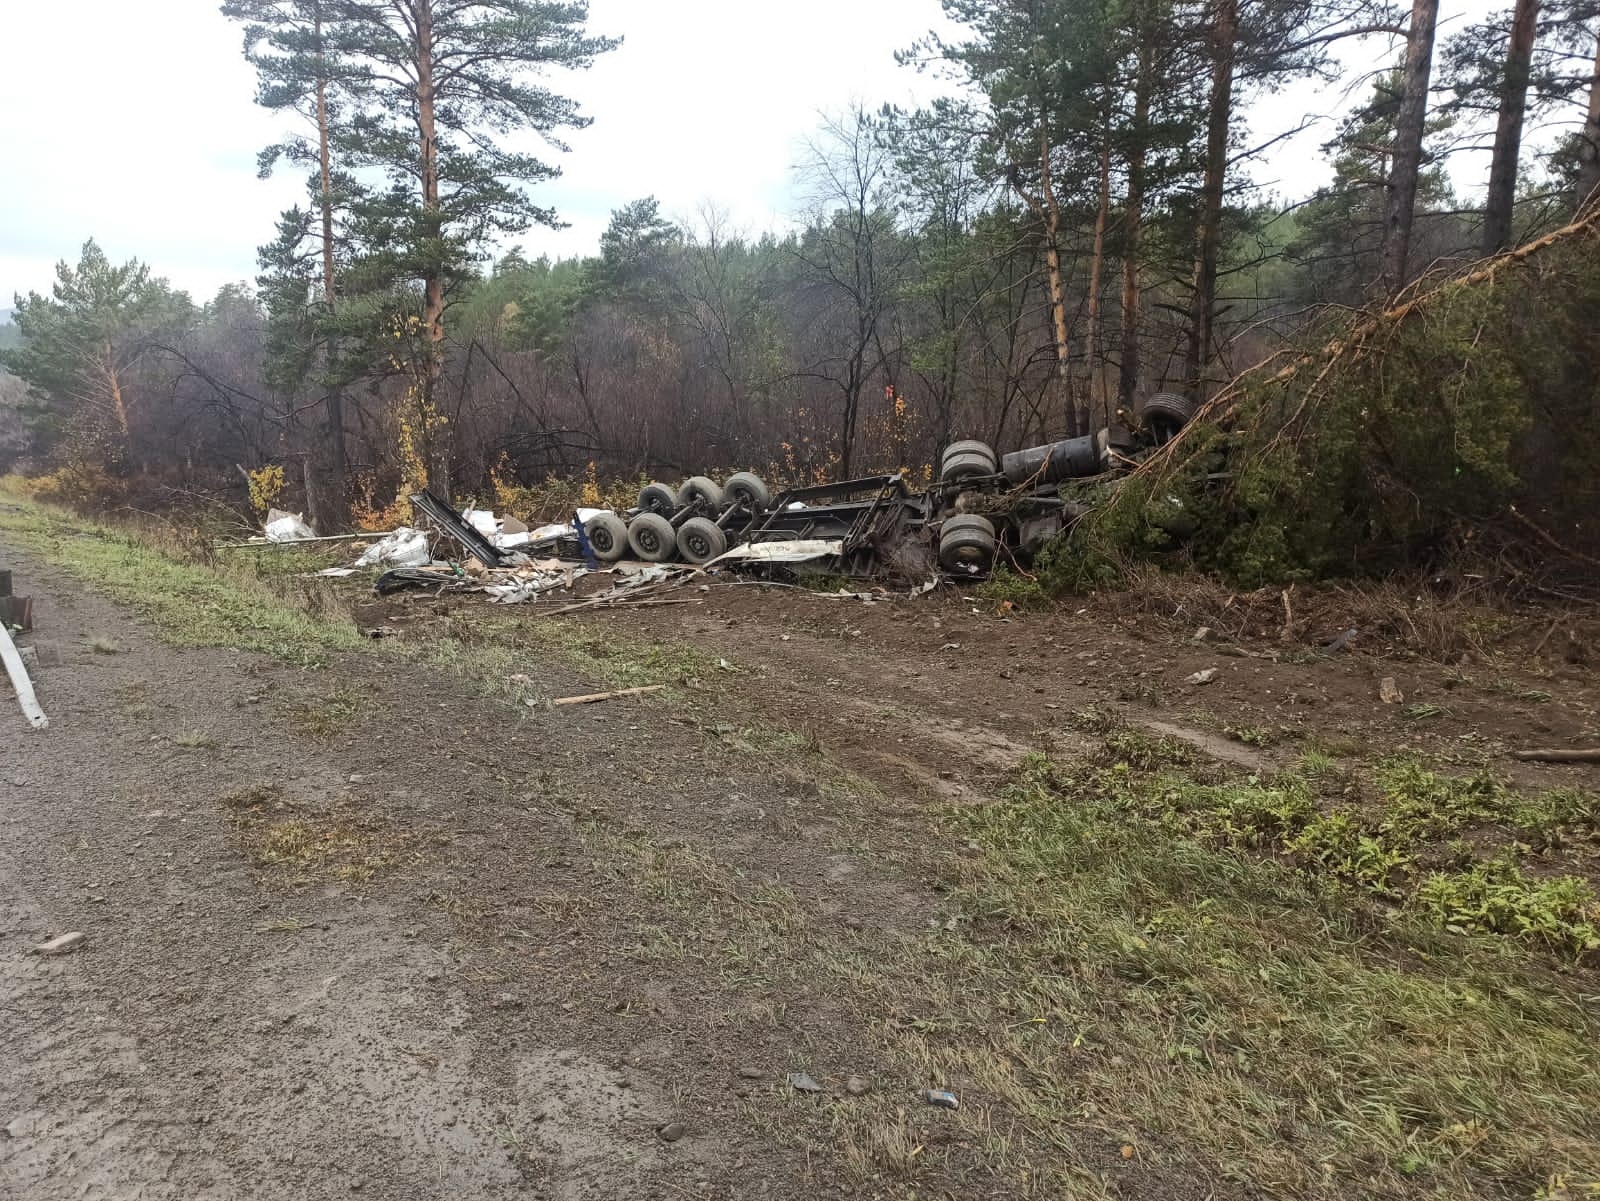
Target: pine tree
x=441 y=86
x=290 y=44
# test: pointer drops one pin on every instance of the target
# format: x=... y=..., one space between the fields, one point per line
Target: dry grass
x=1391 y=618
x=298 y=843
x=327 y=714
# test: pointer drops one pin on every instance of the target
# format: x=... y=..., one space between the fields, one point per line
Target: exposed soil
x=442 y=950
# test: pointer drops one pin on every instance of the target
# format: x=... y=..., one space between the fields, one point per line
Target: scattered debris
x=593 y=697
x=1203 y=677
x=286 y=527
x=61 y=943
x=803 y=1083
x=672 y=1132
x=405 y=547
x=1341 y=642
x=20 y=681
x=454 y=526
x=857 y=1086
x=1389 y=692
x=801 y=551
x=941 y=1099
x=1567 y=755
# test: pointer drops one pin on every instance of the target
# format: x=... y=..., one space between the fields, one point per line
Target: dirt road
x=480 y=1018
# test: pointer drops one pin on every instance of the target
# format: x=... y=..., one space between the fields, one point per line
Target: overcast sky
x=132 y=121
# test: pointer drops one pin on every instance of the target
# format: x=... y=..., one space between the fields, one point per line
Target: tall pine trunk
x=434 y=443
x=1058 y=291
x=1091 y=337
x=1407 y=163
x=1589 y=143
x=1208 y=230
x=1128 y=381
x=1508 y=129
x=330 y=510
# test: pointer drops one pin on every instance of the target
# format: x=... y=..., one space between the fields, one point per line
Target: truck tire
x=971 y=446
x=700 y=540
x=701 y=488
x=748 y=489
x=652 y=538
x=658 y=498
x=967 y=542
x=966 y=465
x=607 y=535
x=1168 y=409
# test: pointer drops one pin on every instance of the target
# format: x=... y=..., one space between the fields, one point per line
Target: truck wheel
x=658 y=498
x=1168 y=409
x=966 y=465
x=701 y=488
x=748 y=489
x=967 y=542
x=971 y=446
x=607 y=535
x=652 y=537
x=700 y=540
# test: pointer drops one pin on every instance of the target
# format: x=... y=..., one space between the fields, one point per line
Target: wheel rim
x=649 y=542
x=602 y=541
x=699 y=546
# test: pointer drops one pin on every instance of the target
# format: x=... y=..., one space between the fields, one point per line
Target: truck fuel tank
x=1071 y=458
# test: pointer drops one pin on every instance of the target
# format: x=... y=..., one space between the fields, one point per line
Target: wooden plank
x=592 y=697
x=21 y=682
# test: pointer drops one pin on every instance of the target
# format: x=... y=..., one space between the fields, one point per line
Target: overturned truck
x=982 y=506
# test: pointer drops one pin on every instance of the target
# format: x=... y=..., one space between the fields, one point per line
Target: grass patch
x=1410 y=835
x=327 y=714
x=492 y=649
x=299 y=843
x=741 y=928
x=1136 y=957
x=190 y=603
x=104 y=646
x=195 y=740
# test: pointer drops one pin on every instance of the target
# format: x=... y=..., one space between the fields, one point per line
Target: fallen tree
x=1457 y=431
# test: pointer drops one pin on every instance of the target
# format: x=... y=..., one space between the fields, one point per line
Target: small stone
x=803 y=1083
x=1203 y=677
x=672 y=1132
x=61 y=944
x=856 y=1086
x=941 y=1098
x=1389 y=692
x=751 y=1073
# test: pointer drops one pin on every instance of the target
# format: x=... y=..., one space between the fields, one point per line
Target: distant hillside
x=9 y=334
